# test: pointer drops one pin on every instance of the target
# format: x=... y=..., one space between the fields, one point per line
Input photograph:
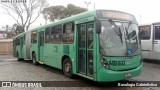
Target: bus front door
x=85 y=49
x=41 y=44
x=156 y=42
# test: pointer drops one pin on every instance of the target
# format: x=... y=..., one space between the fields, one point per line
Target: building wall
x=6 y=46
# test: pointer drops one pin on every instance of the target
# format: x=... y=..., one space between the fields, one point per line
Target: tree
x=54 y=12
x=6 y=32
x=60 y=12
x=73 y=10
x=25 y=13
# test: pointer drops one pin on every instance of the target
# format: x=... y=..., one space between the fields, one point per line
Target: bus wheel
x=67 y=68
x=34 y=59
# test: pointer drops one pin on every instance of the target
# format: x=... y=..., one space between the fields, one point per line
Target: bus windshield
x=119 y=38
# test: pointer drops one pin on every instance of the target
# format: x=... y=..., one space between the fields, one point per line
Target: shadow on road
x=151 y=61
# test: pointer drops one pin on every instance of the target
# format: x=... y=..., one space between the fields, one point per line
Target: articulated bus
x=150 y=40
x=100 y=45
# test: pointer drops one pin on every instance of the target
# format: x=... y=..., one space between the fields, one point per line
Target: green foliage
x=59 y=12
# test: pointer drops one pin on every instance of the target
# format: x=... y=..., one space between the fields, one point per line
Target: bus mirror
x=98 y=26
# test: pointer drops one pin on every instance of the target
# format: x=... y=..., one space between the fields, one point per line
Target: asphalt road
x=13 y=70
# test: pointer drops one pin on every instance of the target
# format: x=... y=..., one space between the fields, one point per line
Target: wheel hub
x=67 y=67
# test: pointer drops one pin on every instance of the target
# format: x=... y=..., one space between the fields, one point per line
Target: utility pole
x=87 y=3
x=46 y=18
x=140 y=17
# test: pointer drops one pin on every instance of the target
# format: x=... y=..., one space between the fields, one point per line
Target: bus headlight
x=104 y=62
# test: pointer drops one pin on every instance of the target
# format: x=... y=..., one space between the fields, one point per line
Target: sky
x=146 y=11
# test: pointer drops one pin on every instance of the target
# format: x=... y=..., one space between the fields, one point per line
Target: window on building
x=68 y=33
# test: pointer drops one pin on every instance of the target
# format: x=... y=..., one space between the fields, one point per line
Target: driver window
x=157 y=32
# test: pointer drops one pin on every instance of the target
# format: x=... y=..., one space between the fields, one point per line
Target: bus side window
x=145 y=32
x=68 y=33
x=47 y=35
x=34 y=37
x=56 y=34
x=17 y=41
x=157 y=32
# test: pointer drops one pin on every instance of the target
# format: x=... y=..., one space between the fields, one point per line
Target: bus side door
x=146 y=36
x=156 y=42
x=41 y=44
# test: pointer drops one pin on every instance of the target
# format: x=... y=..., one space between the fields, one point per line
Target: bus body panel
x=51 y=56
x=156 y=41
x=54 y=54
x=123 y=63
x=150 y=47
x=27 y=44
x=109 y=75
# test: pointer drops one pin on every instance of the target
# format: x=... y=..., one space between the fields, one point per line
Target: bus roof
x=155 y=23
x=69 y=19
x=19 y=35
x=145 y=24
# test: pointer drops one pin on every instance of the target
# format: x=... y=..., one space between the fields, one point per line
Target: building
x=6 y=46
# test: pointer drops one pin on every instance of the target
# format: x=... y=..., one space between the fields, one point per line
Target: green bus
x=100 y=45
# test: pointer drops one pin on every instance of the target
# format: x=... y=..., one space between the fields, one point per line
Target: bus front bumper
x=105 y=75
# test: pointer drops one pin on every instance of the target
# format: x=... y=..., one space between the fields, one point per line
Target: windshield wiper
x=117 y=30
x=120 y=35
x=132 y=34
